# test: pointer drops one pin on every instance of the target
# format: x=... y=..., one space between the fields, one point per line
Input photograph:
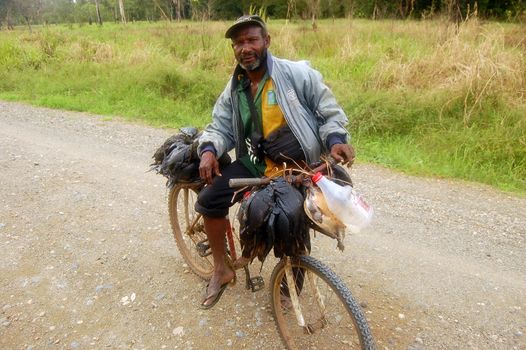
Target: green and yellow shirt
x=270 y=116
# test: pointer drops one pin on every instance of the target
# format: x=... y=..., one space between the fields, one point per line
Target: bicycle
x=320 y=312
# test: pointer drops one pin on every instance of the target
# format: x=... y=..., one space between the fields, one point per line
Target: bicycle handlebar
x=258 y=181
x=251 y=181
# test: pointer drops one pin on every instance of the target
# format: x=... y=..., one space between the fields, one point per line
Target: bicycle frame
x=311 y=303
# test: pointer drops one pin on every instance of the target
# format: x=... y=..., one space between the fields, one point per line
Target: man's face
x=250 y=47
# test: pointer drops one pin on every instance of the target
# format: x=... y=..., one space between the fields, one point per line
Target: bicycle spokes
x=314 y=309
x=297 y=280
x=293 y=294
x=319 y=298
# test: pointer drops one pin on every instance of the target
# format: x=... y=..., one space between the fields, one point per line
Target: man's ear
x=267 y=41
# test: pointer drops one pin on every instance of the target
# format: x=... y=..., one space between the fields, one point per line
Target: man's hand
x=343 y=153
x=208 y=167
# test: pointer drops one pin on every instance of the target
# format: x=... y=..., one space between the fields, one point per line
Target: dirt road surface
x=88 y=261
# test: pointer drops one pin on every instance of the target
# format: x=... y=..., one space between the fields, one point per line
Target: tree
x=99 y=18
x=453 y=11
x=314 y=7
x=405 y=8
x=291 y=8
x=163 y=14
x=6 y=13
x=121 y=11
x=177 y=4
x=29 y=10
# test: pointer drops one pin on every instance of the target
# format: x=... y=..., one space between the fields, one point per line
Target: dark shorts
x=214 y=200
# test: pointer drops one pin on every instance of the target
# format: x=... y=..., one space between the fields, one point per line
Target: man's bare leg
x=215 y=229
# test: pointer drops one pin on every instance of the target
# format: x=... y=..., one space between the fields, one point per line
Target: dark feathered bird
x=187 y=135
x=176 y=155
x=177 y=158
x=273 y=217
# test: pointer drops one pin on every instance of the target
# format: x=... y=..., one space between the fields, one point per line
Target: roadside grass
x=425 y=97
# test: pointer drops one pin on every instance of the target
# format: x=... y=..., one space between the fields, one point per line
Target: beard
x=257 y=64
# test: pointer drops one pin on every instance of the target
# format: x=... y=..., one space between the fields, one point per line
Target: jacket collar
x=270 y=63
x=240 y=72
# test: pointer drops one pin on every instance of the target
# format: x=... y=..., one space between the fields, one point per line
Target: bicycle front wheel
x=326 y=315
x=188 y=230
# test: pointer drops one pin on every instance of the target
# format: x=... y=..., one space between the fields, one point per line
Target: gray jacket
x=308 y=105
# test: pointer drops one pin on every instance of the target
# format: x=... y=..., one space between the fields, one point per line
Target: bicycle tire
x=189 y=236
x=330 y=328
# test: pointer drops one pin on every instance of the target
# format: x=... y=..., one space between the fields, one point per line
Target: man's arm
x=340 y=150
x=343 y=153
x=219 y=133
x=217 y=137
x=209 y=166
x=332 y=128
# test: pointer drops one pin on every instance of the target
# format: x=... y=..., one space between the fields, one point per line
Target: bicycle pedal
x=203 y=249
x=256 y=283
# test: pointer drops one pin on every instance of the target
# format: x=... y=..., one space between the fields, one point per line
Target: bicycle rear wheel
x=332 y=317
x=188 y=229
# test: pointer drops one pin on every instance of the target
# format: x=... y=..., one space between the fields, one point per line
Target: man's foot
x=211 y=299
x=217 y=286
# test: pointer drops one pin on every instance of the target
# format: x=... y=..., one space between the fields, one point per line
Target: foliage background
x=13 y=12
x=437 y=97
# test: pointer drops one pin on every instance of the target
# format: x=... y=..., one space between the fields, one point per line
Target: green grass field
x=426 y=98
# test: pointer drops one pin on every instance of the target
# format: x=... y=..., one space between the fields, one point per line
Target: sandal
x=216 y=297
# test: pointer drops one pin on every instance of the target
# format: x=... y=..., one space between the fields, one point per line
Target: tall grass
x=423 y=97
x=140 y=72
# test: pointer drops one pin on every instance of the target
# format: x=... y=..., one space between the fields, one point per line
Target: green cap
x=243 y=21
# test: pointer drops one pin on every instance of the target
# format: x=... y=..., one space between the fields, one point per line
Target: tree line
x=28 y=12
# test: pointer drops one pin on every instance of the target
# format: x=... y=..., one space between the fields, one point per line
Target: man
x=272 y=110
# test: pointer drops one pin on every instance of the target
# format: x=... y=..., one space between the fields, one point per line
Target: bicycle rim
x=188 y=230
x=333 y=319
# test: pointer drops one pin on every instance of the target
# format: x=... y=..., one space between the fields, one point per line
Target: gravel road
x=88 y=261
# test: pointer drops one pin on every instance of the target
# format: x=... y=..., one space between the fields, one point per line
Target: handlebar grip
x=250 y=181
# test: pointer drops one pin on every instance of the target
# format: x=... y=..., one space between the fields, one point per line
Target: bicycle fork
x=321 y=322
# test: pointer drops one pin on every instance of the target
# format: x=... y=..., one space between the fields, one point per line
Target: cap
x=317 y=177
x=242 y=21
